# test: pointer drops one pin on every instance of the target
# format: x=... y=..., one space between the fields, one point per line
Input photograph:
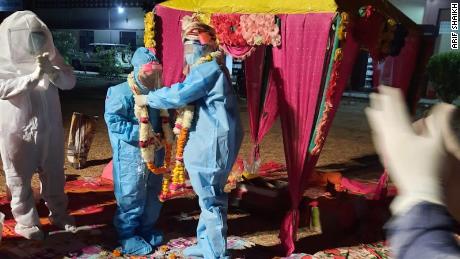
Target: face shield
x=37 y=43
x=150 y=75
x=193 y=51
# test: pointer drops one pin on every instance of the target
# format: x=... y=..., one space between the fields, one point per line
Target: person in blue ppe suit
x=215 y=135
x=136 y=189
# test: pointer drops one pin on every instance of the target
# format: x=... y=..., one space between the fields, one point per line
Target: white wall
x=130 y=18
x=107 y=36
x=414 y=9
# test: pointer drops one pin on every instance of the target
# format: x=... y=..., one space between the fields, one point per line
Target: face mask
x=150 y=76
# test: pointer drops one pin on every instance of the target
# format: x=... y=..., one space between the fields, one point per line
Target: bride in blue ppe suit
x=31 y=129
x=136 y=189
x=215 y=136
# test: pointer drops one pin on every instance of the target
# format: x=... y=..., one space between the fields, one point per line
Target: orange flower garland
x=176 y=181
x=178 y=173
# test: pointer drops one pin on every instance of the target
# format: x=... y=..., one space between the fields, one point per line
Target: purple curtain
x=297 y=72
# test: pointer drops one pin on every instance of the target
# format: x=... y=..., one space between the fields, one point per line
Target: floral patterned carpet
x=92 y=203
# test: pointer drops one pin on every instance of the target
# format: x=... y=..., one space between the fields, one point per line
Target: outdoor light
x=121 y=9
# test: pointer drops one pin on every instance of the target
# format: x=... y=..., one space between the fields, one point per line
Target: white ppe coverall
x=31 y=129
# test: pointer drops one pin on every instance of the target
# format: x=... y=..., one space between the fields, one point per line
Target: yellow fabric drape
x=253 y=6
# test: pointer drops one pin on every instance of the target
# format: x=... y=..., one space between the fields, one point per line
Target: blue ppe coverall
x=425 y=231
x=214 y=141
x=136 y=189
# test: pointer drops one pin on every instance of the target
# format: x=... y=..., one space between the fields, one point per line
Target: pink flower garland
x=243 y=30
x=260 y=29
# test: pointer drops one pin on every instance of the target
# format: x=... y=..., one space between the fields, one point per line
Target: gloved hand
x=38 y=73
x=416 y=163
x=47 y=66
x=140 y=100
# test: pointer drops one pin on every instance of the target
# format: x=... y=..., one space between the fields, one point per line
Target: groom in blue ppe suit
x=136 y=189
x=215 y=135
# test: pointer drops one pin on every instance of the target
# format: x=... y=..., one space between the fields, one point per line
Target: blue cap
x=141 y=57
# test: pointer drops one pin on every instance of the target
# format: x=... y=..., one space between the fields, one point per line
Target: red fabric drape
x=261 y=118
x=269 y=112
x=169 y=43
x=297 y=72
x=398 y=71
x=254 y=66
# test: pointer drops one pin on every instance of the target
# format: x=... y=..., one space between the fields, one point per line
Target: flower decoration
x=260 y=29
x=204 y=18
x=366 y=11
x=343 y=27
x=149 y=30
x=387 y=37
x=149 y=141
x=228 y=29
x=116 y=253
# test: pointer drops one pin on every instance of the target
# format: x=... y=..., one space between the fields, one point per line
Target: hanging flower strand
x=183 y=124
x=149 y=141
x=149 y=30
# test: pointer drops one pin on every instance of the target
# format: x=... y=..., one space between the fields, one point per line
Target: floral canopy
x=298 y=56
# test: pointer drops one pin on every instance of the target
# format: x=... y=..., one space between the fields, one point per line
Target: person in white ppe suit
x=31 y=129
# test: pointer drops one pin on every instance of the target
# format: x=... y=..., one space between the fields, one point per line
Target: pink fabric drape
x=240 y=52
x=340 y=74
x=169 y=43
x=297 y=72
x=261 y=118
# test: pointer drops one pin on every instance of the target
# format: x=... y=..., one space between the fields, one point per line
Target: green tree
x=110 y=67
x=444 y=72
x=66 y=43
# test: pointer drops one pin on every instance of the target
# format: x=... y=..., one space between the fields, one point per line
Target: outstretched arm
x=64 y=77
x=197 y=85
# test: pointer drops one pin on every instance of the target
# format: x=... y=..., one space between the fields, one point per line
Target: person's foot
x=135 y=245
x=65 y=222
x=154 y=238
x=32 y=233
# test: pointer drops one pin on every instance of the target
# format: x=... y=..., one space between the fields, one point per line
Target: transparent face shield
x=193 y=51
x=151 y=76
x=25 y=45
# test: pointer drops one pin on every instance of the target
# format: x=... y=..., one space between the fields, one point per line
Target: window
x=128 y=38
x=86 y=37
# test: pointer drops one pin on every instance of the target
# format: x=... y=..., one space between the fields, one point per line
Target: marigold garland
x=178 y=173
x=149 y=30
x=176 y=180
